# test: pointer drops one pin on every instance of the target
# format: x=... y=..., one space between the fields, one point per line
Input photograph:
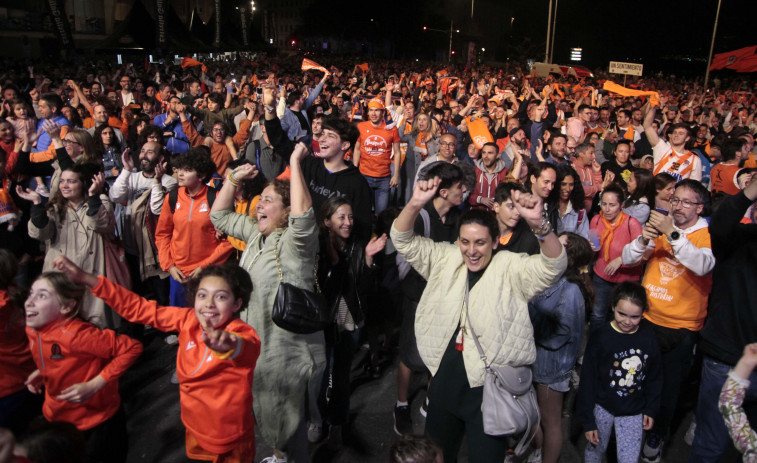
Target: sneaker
x=273 y=459
x=315 y=433
x=424 y=408
x=535 y=456
x=511 y=458
x=652 y=451
x=689 y=436
x=403 y=424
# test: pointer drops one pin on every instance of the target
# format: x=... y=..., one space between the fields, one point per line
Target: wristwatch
x=674 y=236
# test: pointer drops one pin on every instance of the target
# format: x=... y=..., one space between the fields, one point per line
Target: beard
x=522 y=144
x=145 y=165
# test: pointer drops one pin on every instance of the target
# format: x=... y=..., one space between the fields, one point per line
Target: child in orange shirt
x=216 y=357
x=78 y=364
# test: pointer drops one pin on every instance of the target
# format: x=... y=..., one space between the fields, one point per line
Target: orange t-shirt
x=677 y=296
x=376 y=149
x=723 y=178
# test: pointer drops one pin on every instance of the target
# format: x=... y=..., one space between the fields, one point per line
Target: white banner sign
x=631 y=69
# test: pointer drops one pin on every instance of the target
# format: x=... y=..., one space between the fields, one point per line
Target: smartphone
x=259 y=90
x=662 y=211
x=613 y=125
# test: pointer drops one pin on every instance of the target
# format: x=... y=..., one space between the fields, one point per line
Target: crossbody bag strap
x=278 y=264
x=472 y=331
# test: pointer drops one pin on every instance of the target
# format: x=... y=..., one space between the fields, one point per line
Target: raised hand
x=98 y=182
x=29 y=195
x=52 y=129
x=529 y=207
x=245 y=172
x=34 y=382
x=74 y=272
x=217 y=340
x=127 y=160
x=425 y=190
x=375 y=245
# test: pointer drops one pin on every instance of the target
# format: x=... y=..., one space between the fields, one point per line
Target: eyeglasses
x=70 y=142
x=685 y=203
x=450 y=144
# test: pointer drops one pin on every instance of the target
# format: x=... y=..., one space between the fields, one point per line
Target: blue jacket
x=291 y=124
x=43 y=142
x=178 y=143
x=558 y=318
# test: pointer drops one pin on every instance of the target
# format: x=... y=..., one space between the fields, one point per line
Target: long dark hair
x=580 y=256
x=576 y=198
x=84 y=173
x=645 y=188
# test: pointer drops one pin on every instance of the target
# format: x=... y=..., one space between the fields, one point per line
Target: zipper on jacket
x=201 y=362
x=191 y=206
x=41 y=357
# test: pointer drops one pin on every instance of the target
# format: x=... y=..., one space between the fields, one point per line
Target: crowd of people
x=603 y=235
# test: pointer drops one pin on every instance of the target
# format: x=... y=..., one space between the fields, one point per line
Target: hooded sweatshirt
x=486 y=182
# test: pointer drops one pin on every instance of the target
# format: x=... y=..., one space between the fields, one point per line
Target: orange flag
x=310 y=64
x=363 y=67
x=610 y=86
x=189 y=62
x=478 y=131
x=732 y=59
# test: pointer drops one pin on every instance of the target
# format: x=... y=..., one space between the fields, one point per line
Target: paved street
x=157 y=435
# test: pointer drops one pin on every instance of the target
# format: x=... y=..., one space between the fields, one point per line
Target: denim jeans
x=380 y=189
x=711 y=439
x=600 y=310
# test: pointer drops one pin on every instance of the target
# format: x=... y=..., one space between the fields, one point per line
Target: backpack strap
x=173 y=197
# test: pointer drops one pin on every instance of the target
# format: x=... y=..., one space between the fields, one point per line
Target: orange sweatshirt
x=72 y=351
x=216 y=394
x=16 y=363
x=219 y=152
x=186 y=238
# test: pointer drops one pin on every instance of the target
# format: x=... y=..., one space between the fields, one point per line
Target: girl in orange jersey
x=78 y=365
x=216 y=357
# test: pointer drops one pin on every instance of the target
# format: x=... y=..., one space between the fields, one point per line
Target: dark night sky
x=638 y=30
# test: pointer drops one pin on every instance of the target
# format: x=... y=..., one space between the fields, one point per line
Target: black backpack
x=173 y=197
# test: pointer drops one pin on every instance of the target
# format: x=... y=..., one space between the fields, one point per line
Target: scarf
x=608 y=234
x=420 y=146
x=310 y=64
x=8 y=210
x=654 y=97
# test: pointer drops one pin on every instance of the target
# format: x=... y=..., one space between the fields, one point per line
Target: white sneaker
x=315 y=433
x=273 y=459
x=535 y=456
x=689 y=436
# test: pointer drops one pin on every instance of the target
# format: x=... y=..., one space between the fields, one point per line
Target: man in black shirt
x=620 y=164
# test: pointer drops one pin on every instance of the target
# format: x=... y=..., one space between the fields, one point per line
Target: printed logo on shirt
x=204 y=207
x=375 y=145
x=627 y=371
x=670 y=269
x=55 y=353
x=191 y=344
x=178 y=205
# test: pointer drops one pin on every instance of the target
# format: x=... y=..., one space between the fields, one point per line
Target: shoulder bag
x=299 y=310
x=509 y=405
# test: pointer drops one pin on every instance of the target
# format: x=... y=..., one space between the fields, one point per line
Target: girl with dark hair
x=641 y=195
x=621 y=378
x=345 y=274
x=80 y=366
x=665 y=186
x=76 y=222
x=216 y=356
x=109 y=151
x=186 y=239
x=558 y=317
x=566 y=203
x=611 y=230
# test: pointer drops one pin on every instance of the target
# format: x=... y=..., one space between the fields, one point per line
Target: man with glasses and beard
x=518 y=144
x=143 y=192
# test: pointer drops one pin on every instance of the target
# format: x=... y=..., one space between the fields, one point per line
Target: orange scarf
x=654 y=97
x=608 y=234
x=420 y=146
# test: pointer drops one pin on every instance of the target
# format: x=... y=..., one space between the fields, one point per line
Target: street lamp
x=451 y=31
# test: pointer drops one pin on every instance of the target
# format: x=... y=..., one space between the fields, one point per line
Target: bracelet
x=268 y=108
x=233 y=179
x=544 y=229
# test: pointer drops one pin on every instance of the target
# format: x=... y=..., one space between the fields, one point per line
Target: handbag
x=509 y=404
x=299 y=310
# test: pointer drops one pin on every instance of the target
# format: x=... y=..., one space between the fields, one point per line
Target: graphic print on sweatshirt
x=628 y=372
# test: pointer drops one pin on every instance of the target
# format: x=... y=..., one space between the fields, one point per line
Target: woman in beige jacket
x=500 y=285
x=75 y=223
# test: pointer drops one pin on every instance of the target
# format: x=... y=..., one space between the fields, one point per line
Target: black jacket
x=350 y=279
x=732 y=313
